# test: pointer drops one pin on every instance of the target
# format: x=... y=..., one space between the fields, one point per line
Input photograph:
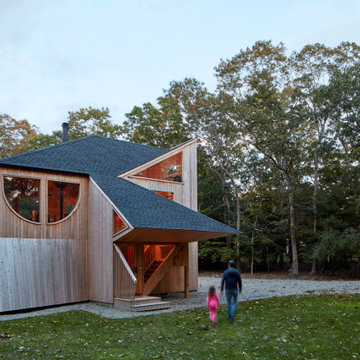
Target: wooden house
x=102 y=220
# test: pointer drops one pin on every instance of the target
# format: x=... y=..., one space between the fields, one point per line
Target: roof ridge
x=47 y=147
x=79 y=139
x=131 y=142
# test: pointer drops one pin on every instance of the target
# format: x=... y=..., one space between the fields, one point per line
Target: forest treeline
x=278 y=152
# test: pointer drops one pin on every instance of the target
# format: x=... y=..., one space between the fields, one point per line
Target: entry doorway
x=144 y=260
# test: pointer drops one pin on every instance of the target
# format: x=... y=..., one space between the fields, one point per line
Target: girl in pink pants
x=213 y=303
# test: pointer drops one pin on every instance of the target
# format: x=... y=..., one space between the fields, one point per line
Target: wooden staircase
x=153 y=274
x=161 y=270
x=151 y=269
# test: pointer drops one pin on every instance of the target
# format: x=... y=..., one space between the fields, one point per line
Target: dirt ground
x=304 y=275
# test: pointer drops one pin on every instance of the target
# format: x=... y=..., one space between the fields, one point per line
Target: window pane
x=169 y=195
x=62 y=199
x=23 y=195
x=118 y=223
x=169 y=169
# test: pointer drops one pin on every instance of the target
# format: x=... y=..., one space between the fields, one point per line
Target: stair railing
x=124 y=279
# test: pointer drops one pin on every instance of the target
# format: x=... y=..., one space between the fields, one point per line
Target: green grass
x=306 y=327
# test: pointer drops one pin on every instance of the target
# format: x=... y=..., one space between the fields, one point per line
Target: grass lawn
x=306 y=327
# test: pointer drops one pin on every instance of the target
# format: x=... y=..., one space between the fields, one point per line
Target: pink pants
x=213 y=314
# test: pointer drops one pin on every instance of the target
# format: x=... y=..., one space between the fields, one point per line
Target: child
x=213 y=302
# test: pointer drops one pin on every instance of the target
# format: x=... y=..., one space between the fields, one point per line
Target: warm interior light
x=169 y=169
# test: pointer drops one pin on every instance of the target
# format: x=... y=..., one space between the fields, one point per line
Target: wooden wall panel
x=73 y=227
x=72 y=230
x=39 y=272
x=190 y=153
x=100 y=246
x=184 y=194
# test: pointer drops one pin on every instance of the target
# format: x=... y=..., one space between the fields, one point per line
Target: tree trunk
x=295 y=263
x=227 y=207
x=252 y=253
x=353 y=186
x=315 y=212
x=228 y=219
x=252 y=241
x=238 y=223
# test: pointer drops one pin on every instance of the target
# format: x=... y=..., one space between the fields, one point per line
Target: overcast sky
x=60 y=55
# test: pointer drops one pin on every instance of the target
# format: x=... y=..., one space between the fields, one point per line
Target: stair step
x=141 y=303
x=146 y=299
x=152 y=306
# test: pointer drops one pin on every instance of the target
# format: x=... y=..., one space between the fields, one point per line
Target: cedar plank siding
x=185 y=193
x=39 y=259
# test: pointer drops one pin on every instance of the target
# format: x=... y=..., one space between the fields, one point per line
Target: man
x=233 y=287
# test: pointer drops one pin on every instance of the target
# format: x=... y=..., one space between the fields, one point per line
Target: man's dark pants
x=231 y=298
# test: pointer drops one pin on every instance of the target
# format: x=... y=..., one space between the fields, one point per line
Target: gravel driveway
x=252 y=289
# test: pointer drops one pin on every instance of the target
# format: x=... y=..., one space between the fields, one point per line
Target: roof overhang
x=167 y=236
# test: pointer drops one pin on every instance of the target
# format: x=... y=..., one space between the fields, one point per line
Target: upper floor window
x=118 y=223
x=169 y=169
x=23 y=195
x=169 y=195
x=62 y=199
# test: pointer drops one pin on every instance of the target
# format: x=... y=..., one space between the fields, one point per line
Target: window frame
x=9 y=205
x=157 y=180
x=143 y=167
x=47 y=200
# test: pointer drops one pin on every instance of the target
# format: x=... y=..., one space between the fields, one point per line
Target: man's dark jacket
x=232 y=279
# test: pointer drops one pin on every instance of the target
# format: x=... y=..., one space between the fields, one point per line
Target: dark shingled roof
x=103 y=159
x=92 y=154
x=146 y=209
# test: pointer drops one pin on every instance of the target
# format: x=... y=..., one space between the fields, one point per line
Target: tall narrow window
x=62 y=199
x=169 y=169
x=23 y=195
x=118 y=223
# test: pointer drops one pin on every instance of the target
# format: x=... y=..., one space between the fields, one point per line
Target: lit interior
x=118 y=224
x=169 y=195
x=23 y=195
x=62 y=199
x=169 y=169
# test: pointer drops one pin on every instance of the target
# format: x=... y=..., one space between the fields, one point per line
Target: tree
x=267 y=118
x=344 y=94
x=82 y=123
x=168 y=123
x=313 y=67
x=14 y=135
x=91 y=121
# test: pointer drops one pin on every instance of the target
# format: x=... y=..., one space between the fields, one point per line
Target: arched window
x=168 y=169
x=118 y=223
x=62 y=199
x=23 y=195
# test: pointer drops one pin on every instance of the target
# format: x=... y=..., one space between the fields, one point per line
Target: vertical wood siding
x=48 y=261
x=39 y=272
x=185 y=193
x=124 y=287
x=100 y=246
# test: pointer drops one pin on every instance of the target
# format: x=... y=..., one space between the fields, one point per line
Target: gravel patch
x=252 y=289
